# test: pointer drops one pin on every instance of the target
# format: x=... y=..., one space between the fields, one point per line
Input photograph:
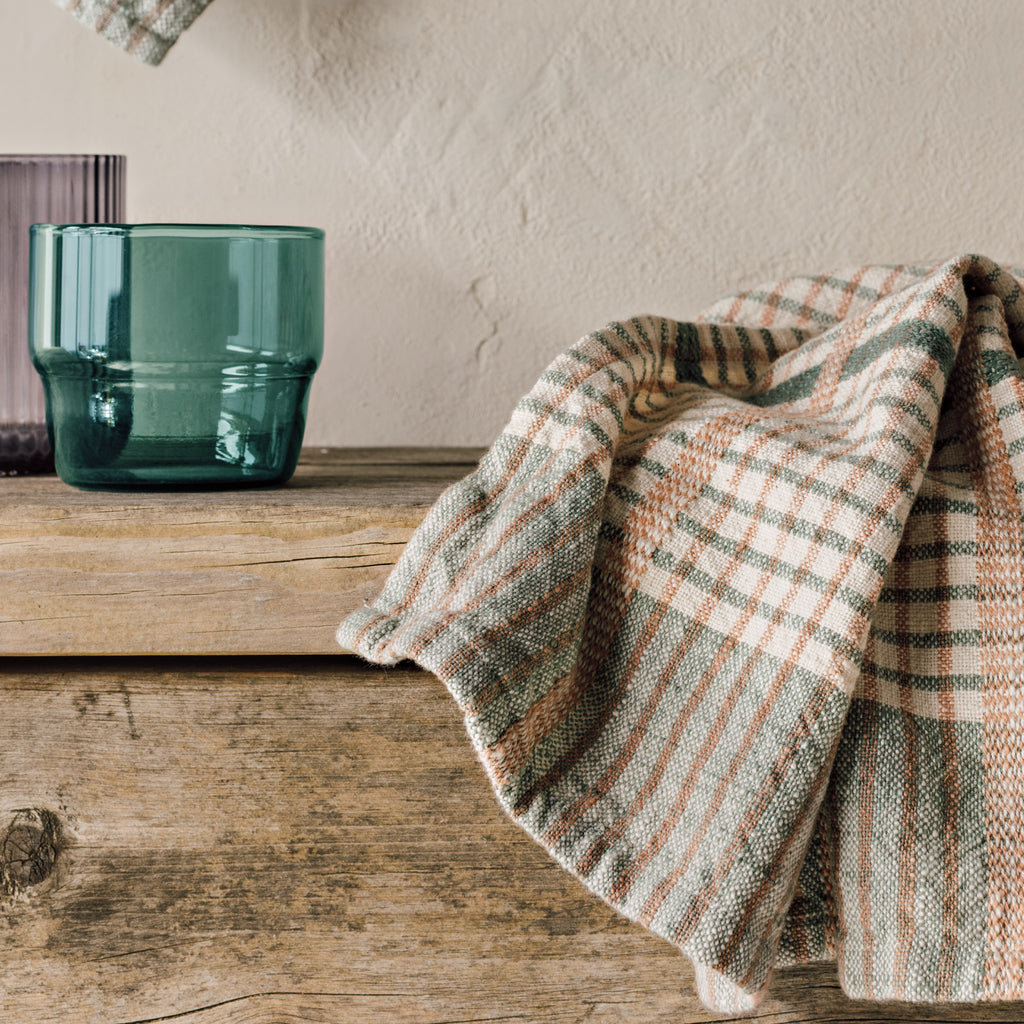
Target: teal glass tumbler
x=175 y=355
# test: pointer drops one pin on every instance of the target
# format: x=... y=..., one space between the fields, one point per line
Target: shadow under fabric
x=734 y=610
x=146 y=29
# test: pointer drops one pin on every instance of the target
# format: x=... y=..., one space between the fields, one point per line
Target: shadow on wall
x=348 y=65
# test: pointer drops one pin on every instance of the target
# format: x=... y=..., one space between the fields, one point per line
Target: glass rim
x=41 y=158
x=184 y=230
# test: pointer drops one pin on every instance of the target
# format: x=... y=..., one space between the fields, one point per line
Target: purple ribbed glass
x=39 y=189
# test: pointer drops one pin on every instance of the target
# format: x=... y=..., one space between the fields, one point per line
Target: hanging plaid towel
x=147 y=29
x=735 y=613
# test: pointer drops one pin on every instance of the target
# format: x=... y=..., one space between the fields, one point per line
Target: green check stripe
x=733 y=613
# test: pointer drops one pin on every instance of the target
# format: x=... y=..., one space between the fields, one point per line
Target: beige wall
x=497 y=177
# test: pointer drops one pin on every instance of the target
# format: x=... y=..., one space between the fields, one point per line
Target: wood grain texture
x=279 y=839
x=306 y=840
x=219 y=572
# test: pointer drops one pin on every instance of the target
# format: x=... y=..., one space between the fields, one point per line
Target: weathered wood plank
x=217 y=572
x=302 y=840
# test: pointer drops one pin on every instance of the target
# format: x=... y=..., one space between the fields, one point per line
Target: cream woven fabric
x=147 y=29
x=735 y=613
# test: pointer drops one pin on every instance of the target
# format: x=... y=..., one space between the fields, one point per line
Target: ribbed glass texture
x=176 y=355
x=86 y=189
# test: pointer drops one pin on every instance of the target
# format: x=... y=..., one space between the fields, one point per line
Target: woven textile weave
x=147 y=29
x=735 y=613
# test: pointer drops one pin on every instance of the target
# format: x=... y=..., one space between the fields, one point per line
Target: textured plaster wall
x=498 y=177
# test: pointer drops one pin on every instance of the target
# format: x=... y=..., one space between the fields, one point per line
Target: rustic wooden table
x=210 y=815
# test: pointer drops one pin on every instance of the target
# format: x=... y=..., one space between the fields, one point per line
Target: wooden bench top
x=261 y=839
x=260 y=571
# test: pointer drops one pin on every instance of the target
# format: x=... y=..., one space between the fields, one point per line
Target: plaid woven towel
x=735 y=613
x=147 y=29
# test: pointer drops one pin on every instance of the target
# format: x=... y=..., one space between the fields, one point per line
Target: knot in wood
x=28 y=849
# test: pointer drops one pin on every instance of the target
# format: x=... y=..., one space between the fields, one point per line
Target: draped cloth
x=734 y=610
x=147 y=29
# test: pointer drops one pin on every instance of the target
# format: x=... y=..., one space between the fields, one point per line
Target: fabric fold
x=146 y=29
x=733 y=609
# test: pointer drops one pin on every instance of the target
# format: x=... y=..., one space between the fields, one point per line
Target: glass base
x=196 y=464
x=158 y=432
x=24 y=448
